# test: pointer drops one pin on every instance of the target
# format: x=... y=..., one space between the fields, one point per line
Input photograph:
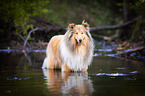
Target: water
x=21 y=75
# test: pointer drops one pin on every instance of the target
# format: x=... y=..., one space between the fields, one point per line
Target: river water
x=21 y=75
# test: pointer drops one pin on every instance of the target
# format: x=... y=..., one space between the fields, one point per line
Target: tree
x=17 y=15
x=135 y=31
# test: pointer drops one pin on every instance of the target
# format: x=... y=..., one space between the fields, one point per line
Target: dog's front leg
x=85 y=69
x=64 y=67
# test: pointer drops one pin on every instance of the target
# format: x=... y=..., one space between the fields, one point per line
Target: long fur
x=64 y=52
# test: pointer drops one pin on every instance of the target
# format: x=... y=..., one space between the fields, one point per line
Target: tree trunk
x=140 y=32
x=128 y=14
x=135 y=31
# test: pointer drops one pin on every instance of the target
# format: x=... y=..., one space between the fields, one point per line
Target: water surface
x=21 y=75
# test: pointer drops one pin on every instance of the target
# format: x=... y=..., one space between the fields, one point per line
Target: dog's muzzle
x=80 y=42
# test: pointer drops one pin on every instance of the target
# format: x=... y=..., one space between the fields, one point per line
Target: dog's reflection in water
x=68 y=83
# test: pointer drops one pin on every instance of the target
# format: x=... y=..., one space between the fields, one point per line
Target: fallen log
x=114 y=26
x=127 y=53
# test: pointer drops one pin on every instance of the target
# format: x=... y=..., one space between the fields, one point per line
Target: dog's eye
x=82 y=33
x=76 y=33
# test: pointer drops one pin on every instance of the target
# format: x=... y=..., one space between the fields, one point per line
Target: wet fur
x=63 y=51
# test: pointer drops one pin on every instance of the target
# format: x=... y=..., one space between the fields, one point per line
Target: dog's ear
x=85 y=24
x=71 y=26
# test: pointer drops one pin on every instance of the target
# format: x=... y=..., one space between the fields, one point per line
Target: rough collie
x=72 y=51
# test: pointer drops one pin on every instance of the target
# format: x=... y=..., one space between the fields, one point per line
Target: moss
x=135 y=29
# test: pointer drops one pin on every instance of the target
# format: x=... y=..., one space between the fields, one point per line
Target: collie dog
x=72 y=51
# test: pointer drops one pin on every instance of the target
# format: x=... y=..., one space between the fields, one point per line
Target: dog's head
x=79 y=32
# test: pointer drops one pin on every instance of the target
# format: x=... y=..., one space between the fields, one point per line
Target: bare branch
x=25 y=42
x=23 y=39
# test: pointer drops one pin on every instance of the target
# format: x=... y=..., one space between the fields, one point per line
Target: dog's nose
x=80 y=40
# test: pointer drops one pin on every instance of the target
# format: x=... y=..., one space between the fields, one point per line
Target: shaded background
x=17 y=18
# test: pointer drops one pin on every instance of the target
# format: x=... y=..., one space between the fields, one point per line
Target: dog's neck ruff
x=73 y=57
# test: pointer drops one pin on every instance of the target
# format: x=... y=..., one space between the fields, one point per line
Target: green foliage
x=63 y=12
x=20 y=12
x=95 y=12
x=137 y=6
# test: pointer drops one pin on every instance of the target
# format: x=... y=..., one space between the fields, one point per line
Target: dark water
x=21 y=75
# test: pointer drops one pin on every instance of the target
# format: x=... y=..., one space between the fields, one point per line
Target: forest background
x=114 y=20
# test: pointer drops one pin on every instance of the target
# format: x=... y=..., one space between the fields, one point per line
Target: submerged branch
x=114 y=26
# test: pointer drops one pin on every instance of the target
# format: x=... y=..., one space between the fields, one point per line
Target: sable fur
x=72 y=51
